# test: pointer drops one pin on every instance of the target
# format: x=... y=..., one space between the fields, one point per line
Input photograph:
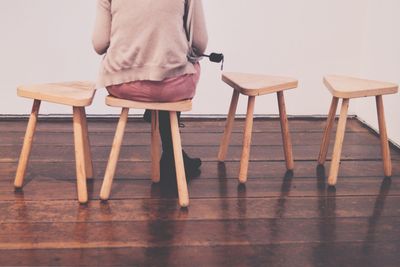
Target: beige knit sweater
x=146 y=39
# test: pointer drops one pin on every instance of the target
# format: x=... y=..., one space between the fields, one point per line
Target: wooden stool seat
x=75 y=94
x=349 y=87
x=346 y=88
x=185 y=105
x=173 y=108
x=253 y=85
x=78 y=94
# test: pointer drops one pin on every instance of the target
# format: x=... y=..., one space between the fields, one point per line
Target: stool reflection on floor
x=347 y=88
x=253 y=85
x=75 y=94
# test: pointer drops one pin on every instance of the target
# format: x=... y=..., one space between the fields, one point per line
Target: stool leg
x=114 y=154
x=26 y=148
x=86 y=145
x=228 y=127
x=337 y=150
x=155 y=147
x=387 y=163
x=248 y=128
x=79 y=155
x=179 y=166
x=328 y=129
x=287 y=142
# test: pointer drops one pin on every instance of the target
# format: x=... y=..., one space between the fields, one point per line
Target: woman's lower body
x=169 y=90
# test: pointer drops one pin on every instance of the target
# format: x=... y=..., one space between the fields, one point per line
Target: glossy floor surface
x=277 y=219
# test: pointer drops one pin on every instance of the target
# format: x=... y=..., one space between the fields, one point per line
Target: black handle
x=217 y=58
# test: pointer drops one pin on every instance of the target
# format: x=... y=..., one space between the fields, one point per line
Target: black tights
x=165 y=129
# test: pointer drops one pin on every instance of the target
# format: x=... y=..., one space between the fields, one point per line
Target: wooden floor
x=277 y=219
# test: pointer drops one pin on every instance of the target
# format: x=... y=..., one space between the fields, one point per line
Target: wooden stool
x=173 y=108
x=75 y=94
x=253 y=85
x=346 y=88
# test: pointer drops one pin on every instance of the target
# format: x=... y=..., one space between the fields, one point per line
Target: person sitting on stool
x=151 y=51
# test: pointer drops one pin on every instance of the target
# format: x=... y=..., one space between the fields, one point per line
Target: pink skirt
x=169 y=90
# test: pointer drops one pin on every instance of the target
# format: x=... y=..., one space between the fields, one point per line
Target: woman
x=151 y=51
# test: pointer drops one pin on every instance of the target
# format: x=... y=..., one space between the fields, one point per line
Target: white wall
x=381 y=61
x=49 y=40
x=303 y=39
x=44 y=41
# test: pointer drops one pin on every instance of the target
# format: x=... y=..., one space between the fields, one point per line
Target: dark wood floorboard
x=277 y=219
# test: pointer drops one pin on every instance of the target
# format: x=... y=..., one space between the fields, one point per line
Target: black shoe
x=191 y=163
x=167 y=167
